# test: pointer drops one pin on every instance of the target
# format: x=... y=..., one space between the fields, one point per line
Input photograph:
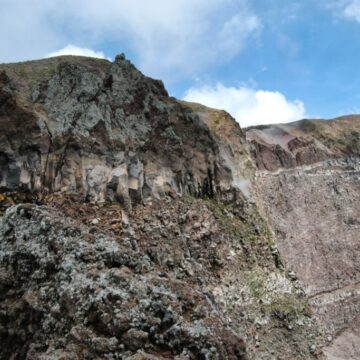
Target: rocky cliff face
x=70 y=293
x=183 y=279
x=105 y=131
x=304 y=142
x=145 y=232
x=311 y=195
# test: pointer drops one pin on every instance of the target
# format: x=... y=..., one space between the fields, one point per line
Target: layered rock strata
x=311 y=195
x=106 y=131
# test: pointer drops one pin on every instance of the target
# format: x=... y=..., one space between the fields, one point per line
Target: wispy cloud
x=247 y=105
x=79 y=51
x=348 y=9
x=352 y=10
x=169 y=38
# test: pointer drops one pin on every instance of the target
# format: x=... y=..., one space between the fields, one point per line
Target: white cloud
x=247 y=105
x=169 y=38
x=351 y=10
x=75 y=50
x=179 y=36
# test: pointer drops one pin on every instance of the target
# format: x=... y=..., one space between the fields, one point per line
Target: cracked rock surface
x=313 y=206
x=68 y=294
x=107 y=132
x=183 y=279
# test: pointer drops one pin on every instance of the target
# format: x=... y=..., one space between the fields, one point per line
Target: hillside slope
x=156 y=228
x=304 y=142
x=308 y=182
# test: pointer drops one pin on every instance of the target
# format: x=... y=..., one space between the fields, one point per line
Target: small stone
x=135 y=339
x=196 y=226
x=292 y=275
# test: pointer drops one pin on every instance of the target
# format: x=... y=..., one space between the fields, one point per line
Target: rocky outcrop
x=67 y=293
x=304 y=142
x=106 y=131
x=312 y=203
x=186 y=279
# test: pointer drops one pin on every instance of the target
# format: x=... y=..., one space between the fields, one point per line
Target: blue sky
x=264 y=61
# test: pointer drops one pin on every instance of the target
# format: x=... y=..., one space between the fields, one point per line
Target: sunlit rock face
x=312 y=203
x=105 y=130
